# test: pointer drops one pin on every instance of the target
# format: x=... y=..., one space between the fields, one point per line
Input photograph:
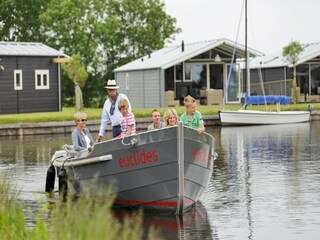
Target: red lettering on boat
x=136 y=158
x=201 y=156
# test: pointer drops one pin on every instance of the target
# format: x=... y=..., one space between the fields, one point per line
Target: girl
x=127 y=123
x=170 y=117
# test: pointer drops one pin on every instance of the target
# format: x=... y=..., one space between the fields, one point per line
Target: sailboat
x=257 y=117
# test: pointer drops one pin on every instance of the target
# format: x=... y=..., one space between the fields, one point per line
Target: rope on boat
x=132 y=142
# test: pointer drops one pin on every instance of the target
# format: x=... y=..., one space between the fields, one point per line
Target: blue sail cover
x=249 y=100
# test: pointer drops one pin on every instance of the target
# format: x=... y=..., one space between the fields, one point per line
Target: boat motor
x=51 y=175
x=63 y=182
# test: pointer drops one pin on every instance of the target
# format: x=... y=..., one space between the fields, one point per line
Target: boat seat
x=70 y=150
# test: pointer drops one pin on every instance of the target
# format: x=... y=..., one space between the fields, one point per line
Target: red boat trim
x=135 y=202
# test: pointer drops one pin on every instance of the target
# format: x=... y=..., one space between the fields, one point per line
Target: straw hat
x=111 y=84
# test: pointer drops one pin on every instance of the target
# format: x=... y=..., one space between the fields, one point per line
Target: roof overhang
x=60 y=60
x=224 y=46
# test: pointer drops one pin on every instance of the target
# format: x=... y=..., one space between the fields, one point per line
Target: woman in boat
x=170 y=117
x=191 y=117
x=81 y=137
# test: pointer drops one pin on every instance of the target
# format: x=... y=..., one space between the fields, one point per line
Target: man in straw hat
x=110 y=110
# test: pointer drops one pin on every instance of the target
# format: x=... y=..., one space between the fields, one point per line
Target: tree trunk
x=78 y=96
x=296 y=94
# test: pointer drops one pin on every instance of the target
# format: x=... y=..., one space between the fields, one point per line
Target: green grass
x=95 y=113
x=12 y=222
x=84 y=218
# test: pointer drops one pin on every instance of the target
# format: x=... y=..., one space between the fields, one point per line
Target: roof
x=173 y=55
x=310 y=51
x=27 y=49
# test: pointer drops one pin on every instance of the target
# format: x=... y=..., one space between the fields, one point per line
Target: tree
x=291 y=53
x=79 y=76
x=107 y=33
x=19 y=20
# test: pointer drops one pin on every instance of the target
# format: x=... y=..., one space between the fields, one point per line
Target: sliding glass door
x=233 y=84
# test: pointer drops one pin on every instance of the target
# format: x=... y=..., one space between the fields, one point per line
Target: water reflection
x=192 y=225
x=29 y=150
x=262 y=185
x=258 y=143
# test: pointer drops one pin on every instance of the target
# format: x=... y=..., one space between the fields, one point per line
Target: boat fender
x=63 y=182
x=51 y=176
x=310 y=108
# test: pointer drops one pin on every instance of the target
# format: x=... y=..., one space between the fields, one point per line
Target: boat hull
x=250 y=117
x=147 y=173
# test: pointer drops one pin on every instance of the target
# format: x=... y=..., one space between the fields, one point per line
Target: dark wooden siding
x=29 y=99
x=8 y=97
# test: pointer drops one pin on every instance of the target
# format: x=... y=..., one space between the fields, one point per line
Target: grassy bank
x=85 y=218
x=95 y=113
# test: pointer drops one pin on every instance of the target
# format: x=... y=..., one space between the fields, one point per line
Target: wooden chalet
x=164 y=77
x=277 y=74
x=29 y=78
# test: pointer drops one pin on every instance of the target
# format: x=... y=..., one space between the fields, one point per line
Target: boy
x=191 y=117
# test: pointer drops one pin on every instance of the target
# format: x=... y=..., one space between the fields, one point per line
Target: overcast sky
x=272 y=24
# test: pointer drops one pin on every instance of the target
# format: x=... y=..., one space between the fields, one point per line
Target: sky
x=272 y=24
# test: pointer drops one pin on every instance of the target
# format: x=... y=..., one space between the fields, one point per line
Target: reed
x=12 y=221
x=84 y=218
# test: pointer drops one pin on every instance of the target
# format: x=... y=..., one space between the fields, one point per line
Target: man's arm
x=104 y=122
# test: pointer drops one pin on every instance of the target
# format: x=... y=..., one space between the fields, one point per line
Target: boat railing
x=180 y=144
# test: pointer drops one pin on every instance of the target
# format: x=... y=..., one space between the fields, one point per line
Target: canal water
x=265 y=183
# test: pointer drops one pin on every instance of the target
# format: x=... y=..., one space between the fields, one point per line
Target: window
x=199 y=78
x=216 y=76
x=17 y=79
x=183 y=89
x=315 y=78
x=179 y=72
x=234 y=85
x=42 y=79
x=169 y=79
x=302 y=77
x=187 y=72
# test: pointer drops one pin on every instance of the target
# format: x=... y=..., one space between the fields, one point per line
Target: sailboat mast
x=247 y=80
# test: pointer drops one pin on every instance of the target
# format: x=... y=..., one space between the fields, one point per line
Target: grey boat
x=166 y=169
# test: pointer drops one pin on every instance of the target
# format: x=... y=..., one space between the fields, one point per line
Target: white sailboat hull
x=252 y=117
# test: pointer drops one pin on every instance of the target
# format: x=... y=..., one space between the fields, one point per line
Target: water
x=264 y=184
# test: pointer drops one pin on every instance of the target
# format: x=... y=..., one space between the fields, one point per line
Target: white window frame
x=42 y=73
x=15 y=72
